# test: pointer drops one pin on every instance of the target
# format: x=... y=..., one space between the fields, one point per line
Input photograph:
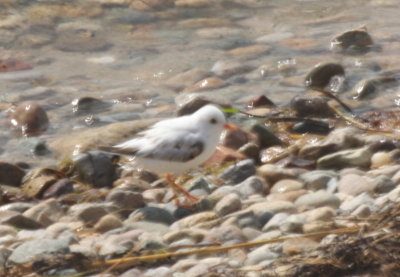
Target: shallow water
x=109 y=50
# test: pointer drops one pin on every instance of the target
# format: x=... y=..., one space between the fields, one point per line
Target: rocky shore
x=308 y=185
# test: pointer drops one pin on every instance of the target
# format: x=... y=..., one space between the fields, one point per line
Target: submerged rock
x=30 y=118
x=354 y=41
x=322 y=75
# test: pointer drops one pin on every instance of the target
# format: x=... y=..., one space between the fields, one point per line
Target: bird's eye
x=213 y=121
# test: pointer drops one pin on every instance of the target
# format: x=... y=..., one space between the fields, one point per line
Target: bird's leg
x=179 y=188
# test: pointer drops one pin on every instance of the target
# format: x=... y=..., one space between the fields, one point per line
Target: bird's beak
x=230 y=126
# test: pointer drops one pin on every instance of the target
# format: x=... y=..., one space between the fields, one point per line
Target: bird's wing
x=176 y=147
x=129 y=151
x=166 y=144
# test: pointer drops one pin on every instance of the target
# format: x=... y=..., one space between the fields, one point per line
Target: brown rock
x=30 y=118
x=10 y=174
x=107 y=223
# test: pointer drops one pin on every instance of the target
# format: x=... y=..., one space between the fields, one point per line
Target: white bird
x=175 y=145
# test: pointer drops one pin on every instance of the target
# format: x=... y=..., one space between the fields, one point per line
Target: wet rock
x=88 y=105
x=17 y=220
x=11 y=174
x=151 y=5
x=238 y=172
x=311 y=106
x=317 y=199
x=95 y=167
x=285 y=185
x=354 y=41
x=322 y=74
x=30 y=118
x=126 y=201
x=38 y=249
x=46 y=212
x=82 y=39
x=60 y=187
x=235 y=138
x=228 y=204
x=153 y=214
x=354 y=184
x=108 y=222
x=360 y=157
x=259 y=101
x=192 y=105
x=226 y=69
x=265 y=137
x=250 y=150
x=37 y=181
x=369 y=88
x=209 y=83
x=35 y=145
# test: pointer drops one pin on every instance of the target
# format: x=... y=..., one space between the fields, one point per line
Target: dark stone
x=235 y=138
x=265 y=137
x=96 y=168
x=62 y=186
x=239 y=172
x=321 y=75
x=18 y=220
x=259 y=101
x=311 y=106
x=310 y=126
x=354 y=41
x=88 y=105
x=154 y=214
x=11 y=174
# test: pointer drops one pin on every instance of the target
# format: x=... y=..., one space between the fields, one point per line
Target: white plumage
x=178 y=144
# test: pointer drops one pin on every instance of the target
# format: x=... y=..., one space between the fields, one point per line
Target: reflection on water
x=139 y=57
